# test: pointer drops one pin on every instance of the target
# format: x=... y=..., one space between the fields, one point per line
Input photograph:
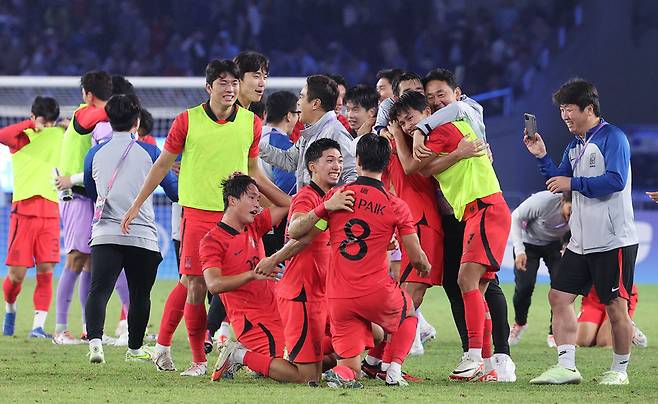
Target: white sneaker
x=65 y=338
x=196 y=369
x=225 y=361
x=612 y=378
x=163 y=361
x=427 y=333
x=107 y=340
x=505 y=368
x=417 y=348
x=639 y=339
x=122 y=340
x=515 y=333
x=550 y=341
x=468 y=369
x=96 y=354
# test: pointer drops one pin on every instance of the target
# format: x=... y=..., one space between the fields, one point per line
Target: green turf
x=38 y=371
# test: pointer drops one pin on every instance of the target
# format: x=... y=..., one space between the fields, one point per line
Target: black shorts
x=611 y=273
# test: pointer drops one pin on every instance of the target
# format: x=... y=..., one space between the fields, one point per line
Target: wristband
x=320 y=210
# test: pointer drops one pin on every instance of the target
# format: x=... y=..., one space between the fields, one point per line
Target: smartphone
x=530 y=124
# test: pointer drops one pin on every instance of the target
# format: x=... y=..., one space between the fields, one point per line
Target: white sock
x=238 y=355
x=372 y=361
x=620 y=362
x=475 y=353
x=385 y=366
x=566 y=356
x=161 y=348
x=39 y=319
x=394 y=372
x=135 y=351
x=84 y=328
x=61 y=328
x=422 y=323
x=10 y=307
x=96 y=342
x=417 y=340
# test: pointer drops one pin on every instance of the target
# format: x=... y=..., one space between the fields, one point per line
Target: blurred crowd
x=492 y=44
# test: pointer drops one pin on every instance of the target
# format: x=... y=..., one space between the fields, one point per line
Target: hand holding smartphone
x=530 y=125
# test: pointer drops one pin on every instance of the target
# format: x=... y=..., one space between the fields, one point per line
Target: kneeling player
x=362 y=219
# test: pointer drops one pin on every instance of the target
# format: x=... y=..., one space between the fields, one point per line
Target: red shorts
x=593 y=311
x=32 y=239
x=264 y=337
x=304 y=325
x=431 y=241
x=351 y=331
x=194 y=225
x=488 y=221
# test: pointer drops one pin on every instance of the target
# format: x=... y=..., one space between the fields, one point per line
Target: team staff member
x=215 y=139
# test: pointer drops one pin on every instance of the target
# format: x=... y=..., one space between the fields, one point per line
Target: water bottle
x=65 y=194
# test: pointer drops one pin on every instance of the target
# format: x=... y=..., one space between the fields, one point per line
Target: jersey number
x=352 y=238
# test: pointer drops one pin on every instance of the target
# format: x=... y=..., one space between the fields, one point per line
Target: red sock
x=327 y=347
x=172 y=315
x=43 y=292
x=196 y=320
x=345 y=372
x=474 y=315
x=402 y=340
x=378 y=351
x=387 y=356
x=486 y=341
x=11 y=290
x=258 y=362
x=124 y=313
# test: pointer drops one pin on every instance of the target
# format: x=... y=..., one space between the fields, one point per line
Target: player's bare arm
x=269 y=265
x=416 y=254
x=271 y=191
x=465 y=149
x=218 y=283
x=341 y=200
x=155 y=176
x=409 y=164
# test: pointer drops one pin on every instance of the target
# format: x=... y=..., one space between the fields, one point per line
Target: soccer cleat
x=417 y=348
x=490 y=376
x=122 y=340
x=39 y=332
x=371 y=371
x=163 y=361
x=107 y=340
x=96 y=354
x=427 y=333
x=9 y=324
x=558 y=375
x=397 y=382
x=612 y=378
x=221 y=340
x=515 y=333
x=505 y=368
x=196 y=369
x=83 y=337
x=468 y=369
x=550 y=341
x=224 y=361
x=639 y=339
x=336 y=381
x=207 y=344
x=406 y=376
x=145 y=354
x=65 y=338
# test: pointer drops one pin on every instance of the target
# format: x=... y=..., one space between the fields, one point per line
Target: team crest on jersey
x=592 y=159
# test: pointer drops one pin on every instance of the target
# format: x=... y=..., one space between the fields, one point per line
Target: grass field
x=38 y=371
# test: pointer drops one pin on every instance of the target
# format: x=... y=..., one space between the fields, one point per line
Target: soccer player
x=317 y=101
x=339 y=109
x=362 y=218
x=538 y=226
x=596 y=168
x=205 y=162
x=254 y=68
x=361 y=104
x=301 y=291
x=114 y=173
x=384 y=83
x=146 y=127
x=471 y=188
x=34 y=145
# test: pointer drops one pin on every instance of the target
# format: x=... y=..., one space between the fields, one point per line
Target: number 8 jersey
x=359 y=239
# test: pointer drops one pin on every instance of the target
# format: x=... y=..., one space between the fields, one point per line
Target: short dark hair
x=46 y=107
x=121 y=85
x=278 y=105
x=323 y=88
x=406 y=76
x=250 y=61
x=389 y=74
x=236 y=185
x=123 y=111
x=373 y=152
x=441 y=75
x=362 y=95
x=579 y=92
x=411 y=100
x=217 y=67
x=97 y=82
x=146 y=121
x=258 y=108
x=315 y=150
x=340 y=80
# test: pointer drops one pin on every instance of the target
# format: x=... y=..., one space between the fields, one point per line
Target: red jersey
x=148 y=139
x=85 y=119
x=235 y=252
x=175 y=142
x=359 y=240
x=305 y=275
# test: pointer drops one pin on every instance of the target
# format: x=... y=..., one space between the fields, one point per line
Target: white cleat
x=196 y=369
x=515 y=333
x=639 y=339
x=468 y=369
x=65 y=338
x=163 y=361
x=427 y=333
x=505 y=368
x=550 y=341
x=96 y=354
x=612 y=378
x=417 y=348
x=122 y=340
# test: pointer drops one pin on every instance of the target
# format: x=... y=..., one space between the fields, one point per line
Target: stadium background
x=510 y=54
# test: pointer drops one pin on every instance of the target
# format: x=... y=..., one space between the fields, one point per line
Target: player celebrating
x=215 y=138
x=34 y=145
x=362 y=219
